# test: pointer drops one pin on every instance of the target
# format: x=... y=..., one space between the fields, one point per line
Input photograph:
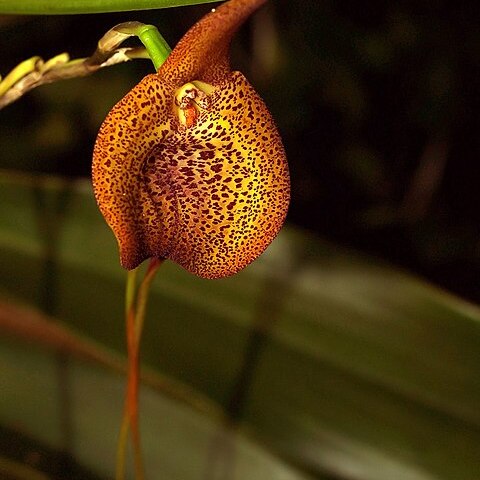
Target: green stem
x=156 y=46
x=122 y=447
x=130 y=290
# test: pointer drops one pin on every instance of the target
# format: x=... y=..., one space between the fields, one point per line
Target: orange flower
x=189 y=164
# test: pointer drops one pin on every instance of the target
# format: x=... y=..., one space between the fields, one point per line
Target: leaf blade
x=338 y=363
x=52 y=7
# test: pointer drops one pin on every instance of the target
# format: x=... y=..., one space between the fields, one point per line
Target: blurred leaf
x=340 y=364
x=36 y=328
x=80 y=408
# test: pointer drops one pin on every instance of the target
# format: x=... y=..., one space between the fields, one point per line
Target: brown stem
x=135 y=314
x=132 y=391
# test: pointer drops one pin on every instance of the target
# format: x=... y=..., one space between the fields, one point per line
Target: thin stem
x=135 y=310
x=122 y=446
x=130 y=294
x=133 y=391
x=130 y=290
x=142 y=295
x=136 y=335
x=156 y=46
x=136 y=301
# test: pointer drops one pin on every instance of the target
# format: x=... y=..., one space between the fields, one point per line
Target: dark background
x=377 y=103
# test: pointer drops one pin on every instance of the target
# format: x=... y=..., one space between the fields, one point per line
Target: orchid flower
x=189 y=165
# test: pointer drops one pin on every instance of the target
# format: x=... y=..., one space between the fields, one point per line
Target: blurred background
x=337 y=365
x=377 y=103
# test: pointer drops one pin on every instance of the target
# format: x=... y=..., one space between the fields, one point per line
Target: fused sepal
x=189 y=164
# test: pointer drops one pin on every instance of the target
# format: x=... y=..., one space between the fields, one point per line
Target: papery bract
x=189 y=164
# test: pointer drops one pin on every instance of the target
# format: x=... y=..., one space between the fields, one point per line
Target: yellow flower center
x=190 y=100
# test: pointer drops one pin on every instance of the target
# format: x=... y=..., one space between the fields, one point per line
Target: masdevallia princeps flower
x=189 y=165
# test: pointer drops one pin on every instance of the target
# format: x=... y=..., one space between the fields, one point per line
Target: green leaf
x=54 y=7
x=341 y=365
x=91 y=399
x=69 y=403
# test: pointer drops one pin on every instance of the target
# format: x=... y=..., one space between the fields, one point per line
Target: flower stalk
x=136 y=302
x=136 y=299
